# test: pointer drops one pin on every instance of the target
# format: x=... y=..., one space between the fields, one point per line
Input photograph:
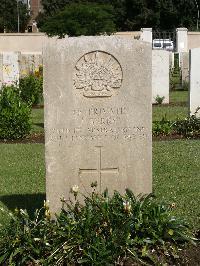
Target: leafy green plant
x=31 y=88
x=190 y=127
x=163 y=127
x=159 y=99
x=105 y=230
x=14 y=114
x=26 y=240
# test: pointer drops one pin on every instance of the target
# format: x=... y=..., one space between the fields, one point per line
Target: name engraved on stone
x=99 y=170
x=98 y=74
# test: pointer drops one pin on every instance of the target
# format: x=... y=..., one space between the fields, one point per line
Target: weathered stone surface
x=97 y=93
x=184 y=61
x=194 y=80
x=160 y=75
x=10 y=64
x=171 y=60
x=29 y=63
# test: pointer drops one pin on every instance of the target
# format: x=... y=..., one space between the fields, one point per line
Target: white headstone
x=98 y=115
x=184 y=60
x=160 y=75
x=194 y=80
x=182 y=40
x=10 y=64
x=29 y=63
x=146 y=35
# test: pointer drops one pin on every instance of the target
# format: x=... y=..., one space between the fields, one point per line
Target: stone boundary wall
x=193 y=40
x=22 y=42
x=33 y=42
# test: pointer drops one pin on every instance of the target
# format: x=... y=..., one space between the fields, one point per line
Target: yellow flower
x=48 y=214
x=171 y=232
x=46 y=204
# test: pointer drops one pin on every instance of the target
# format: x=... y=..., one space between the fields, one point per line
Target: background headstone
x=181 y=40
x=97 y=93
x=160 y=75
x=171 y=60
x=194 y=80
x=146 y=35
x=29 y=63
x=10 y=65
x=184 y=60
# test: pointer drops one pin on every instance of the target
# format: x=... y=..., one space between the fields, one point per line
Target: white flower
x=75 y=189
x=127 y=206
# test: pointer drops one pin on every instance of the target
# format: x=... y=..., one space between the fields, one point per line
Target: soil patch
x=39 y=138
x=170 y=104
x=33 y=138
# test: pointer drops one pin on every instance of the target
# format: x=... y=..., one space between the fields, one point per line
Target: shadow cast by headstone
x=39 y=124
x=30 y=202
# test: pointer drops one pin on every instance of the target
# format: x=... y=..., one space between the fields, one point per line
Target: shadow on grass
x=30 y=202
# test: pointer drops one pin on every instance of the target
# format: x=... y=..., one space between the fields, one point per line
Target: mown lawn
x=22 y=176
x=178 y=108
x=179 y=97
x=176 y=176
x=37 y=117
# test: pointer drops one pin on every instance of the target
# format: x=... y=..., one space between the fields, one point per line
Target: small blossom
x=173 y=205
x=48 y=214
x=75 y=189
x=105 y=224
x=127 y=206
x=46 y=204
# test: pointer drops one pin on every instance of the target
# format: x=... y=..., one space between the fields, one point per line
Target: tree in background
x=52 y=7
x=134 y=14
x=9 y=16
x=81 y=19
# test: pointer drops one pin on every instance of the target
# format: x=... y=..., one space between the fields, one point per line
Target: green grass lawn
x=173 y=112
x=22 y=176
x=176 y=176
x=178 y=97
x=37 y=117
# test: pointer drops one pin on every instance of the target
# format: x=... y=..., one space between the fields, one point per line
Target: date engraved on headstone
x=98 y=74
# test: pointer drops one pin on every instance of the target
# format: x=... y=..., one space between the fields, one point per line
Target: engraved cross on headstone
x=100 y=169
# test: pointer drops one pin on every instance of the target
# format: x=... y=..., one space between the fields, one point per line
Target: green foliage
x=14 y=114
x=106 y=230
x=9 y=16
x=135 y=14
x=26 y=240
x=189 y=127
x=81 y=19
x=163 y=127
x=31 y=88
x=159 y=99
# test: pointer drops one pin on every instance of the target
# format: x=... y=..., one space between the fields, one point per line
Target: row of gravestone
x=15 y=65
